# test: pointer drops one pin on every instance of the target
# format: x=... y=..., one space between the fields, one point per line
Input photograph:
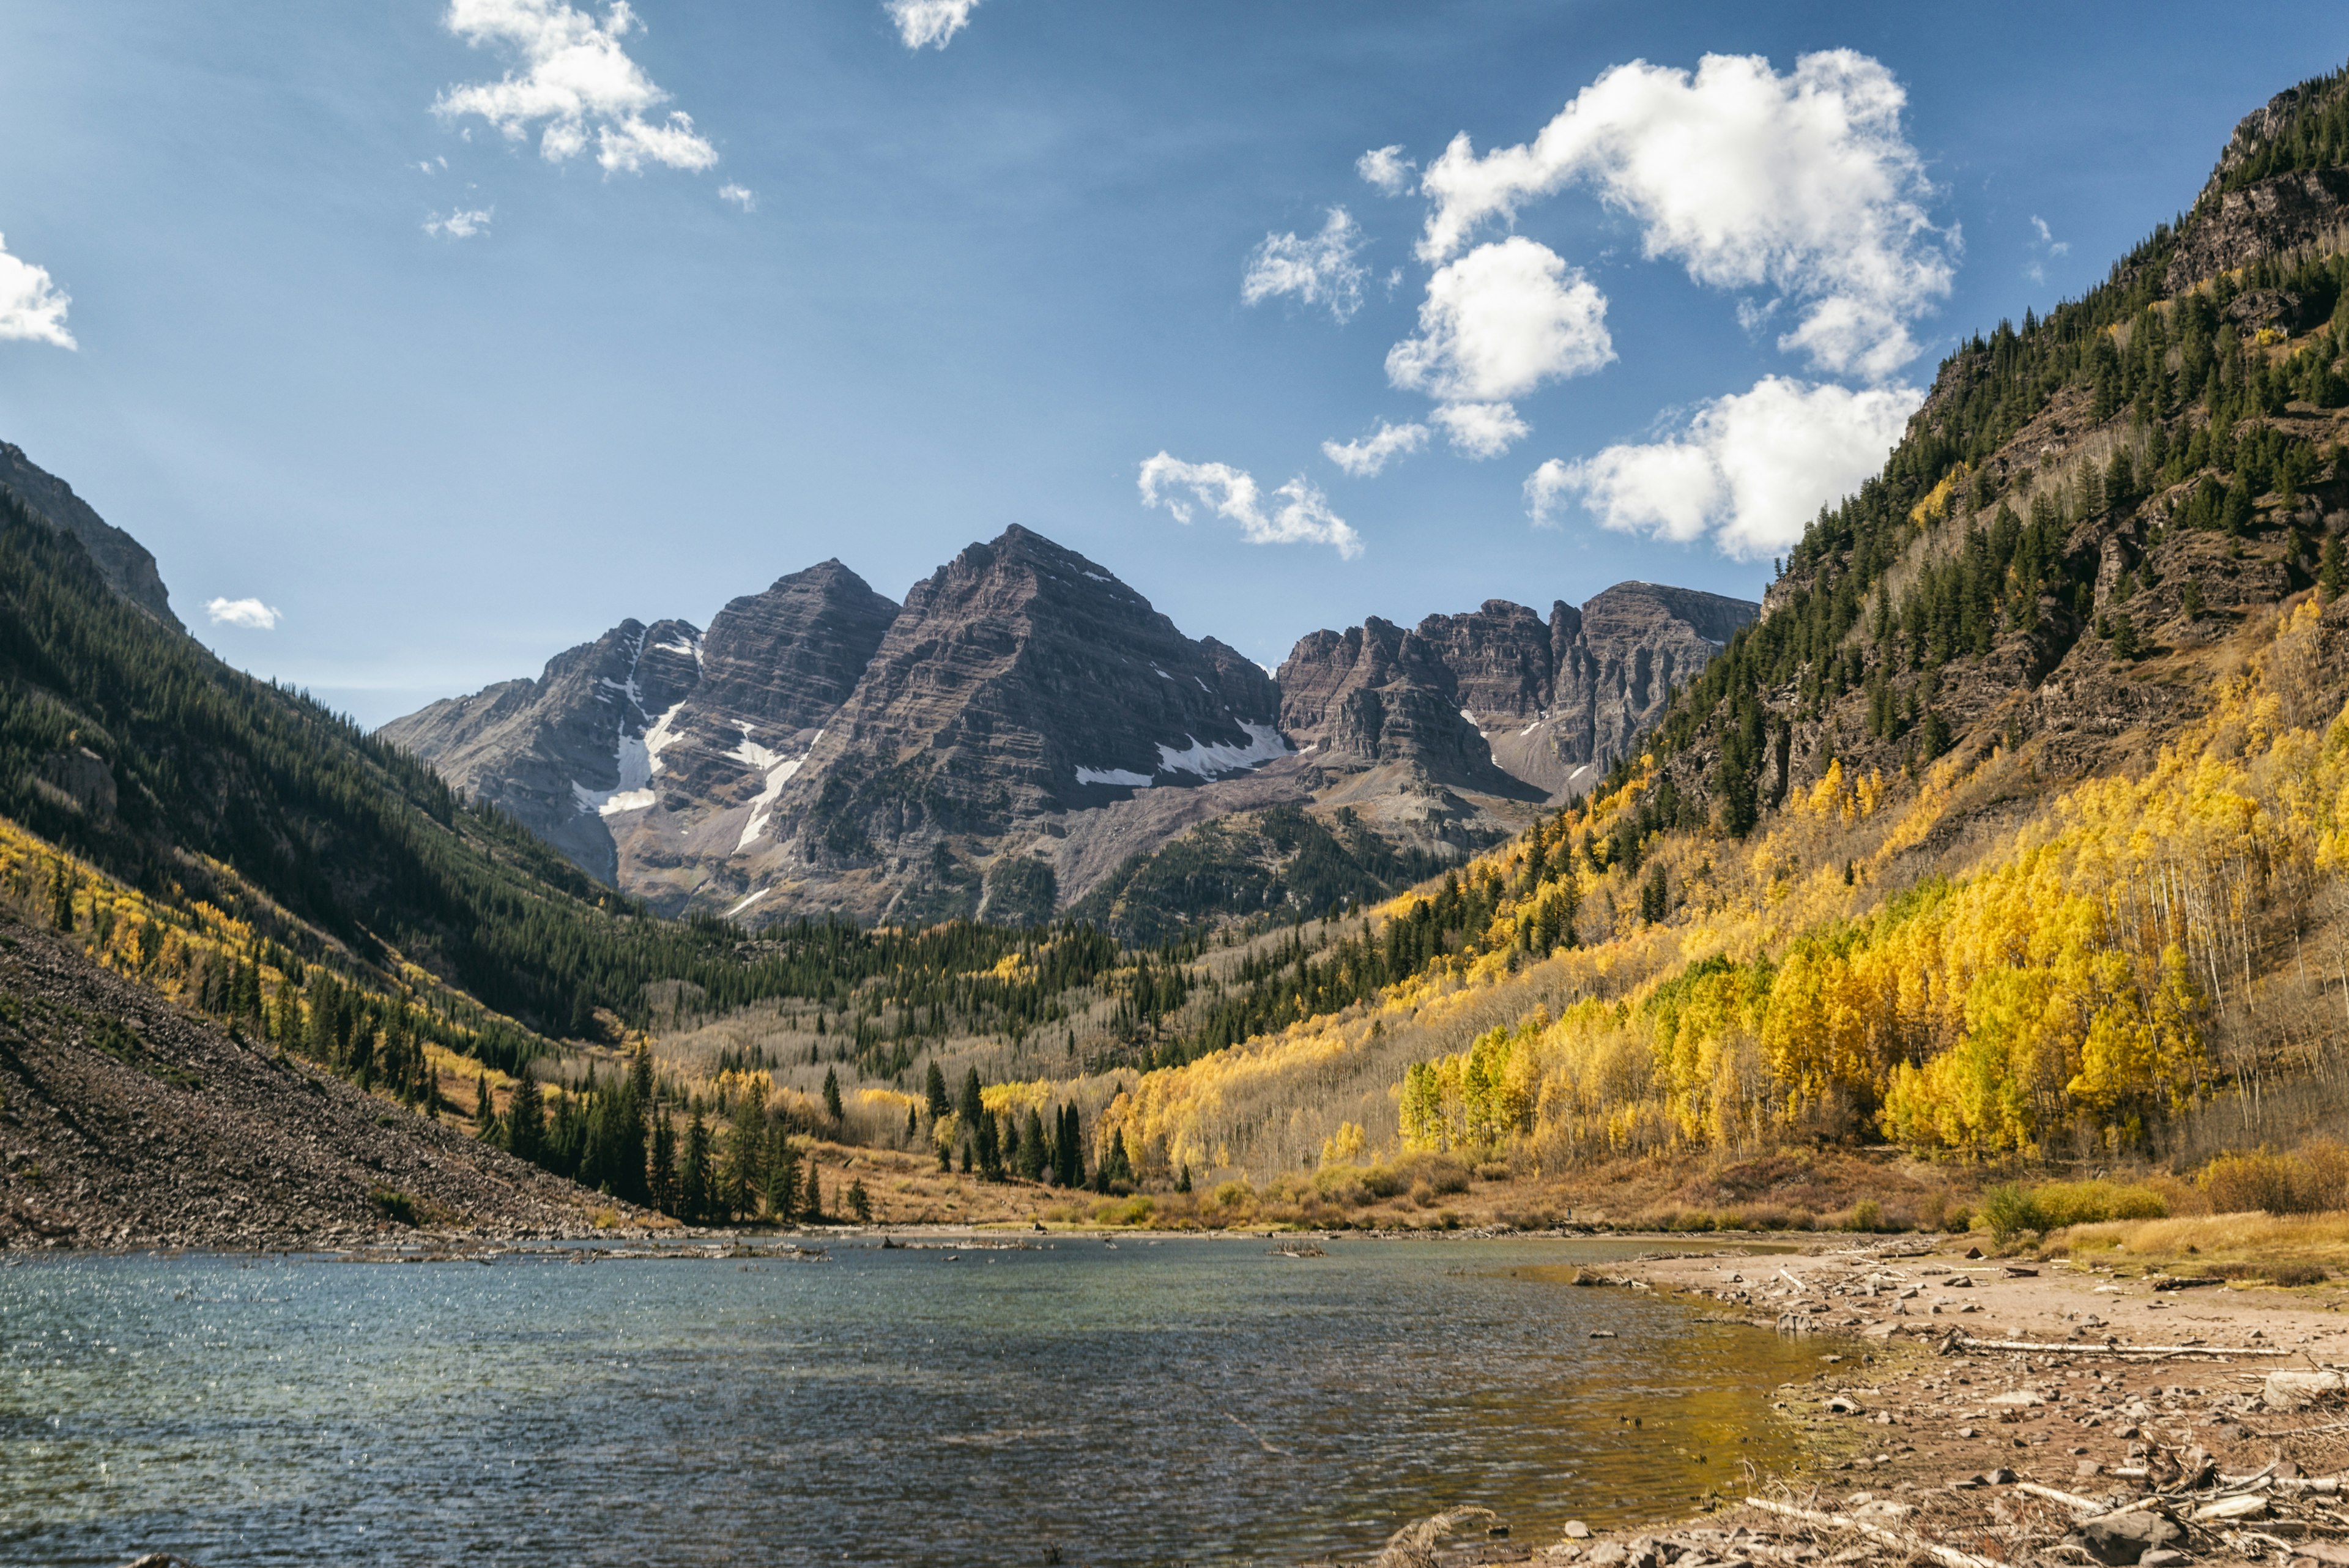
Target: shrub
x=1958 y=1220
x=1492 y=1170
x=1233 y=1195
x=1867 y=1215
x=2010 y=1211
x=2310 y=1179
x=395 y=1205
x=1134 y=1211
x=2062 y=1203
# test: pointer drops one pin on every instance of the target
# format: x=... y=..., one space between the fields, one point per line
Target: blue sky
x=1004 y=276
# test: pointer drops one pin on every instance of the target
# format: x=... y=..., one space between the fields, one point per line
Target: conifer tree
x=832 y=1107
x=937 y=1090
x=782 y=1172
x=662 y=1178
x=973 y=1103
x=526 y=1120
x=2331 y=571
x=859 y=1202
x=485 y=1108
x=61 y=899
x=693 y=1179
x=745 y=1148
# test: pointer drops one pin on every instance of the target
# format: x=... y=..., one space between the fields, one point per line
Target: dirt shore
x=2150 y=1414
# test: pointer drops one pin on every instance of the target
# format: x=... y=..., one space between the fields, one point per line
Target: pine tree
x=973 y=1103
x=859 y=1202
x=812 y=1209
x=746 y=1149
x=526 y=1120
x=693 y=1181
x=662 y=1178
x=783 y=1192
x=935 y=1087
x=2331 y=571
x=485 y=1108
x=832 y=1107
x=61 y=899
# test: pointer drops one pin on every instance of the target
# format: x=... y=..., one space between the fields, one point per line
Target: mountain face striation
x=1027 y=725
x=1469 y=698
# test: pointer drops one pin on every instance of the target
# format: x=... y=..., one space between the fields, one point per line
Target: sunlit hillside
x=2013 y=829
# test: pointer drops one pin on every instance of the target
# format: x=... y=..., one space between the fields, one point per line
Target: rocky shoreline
x=1974 y=1412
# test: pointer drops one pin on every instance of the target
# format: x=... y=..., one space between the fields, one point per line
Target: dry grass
x=2212 y=1242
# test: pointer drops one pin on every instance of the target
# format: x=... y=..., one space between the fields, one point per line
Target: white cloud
x=2047 y=243
x=1751 y=469
x=1804 y=183
x=250 y=614
x=1319 y=270
x=576 y=81
x=31 y=306
x=929 y=22
x=1480 y=431
x=741 y=196
x=1366 y=457
x=1302 y=516
x=1500 y=321
x=462 y=224
x=1387 y=168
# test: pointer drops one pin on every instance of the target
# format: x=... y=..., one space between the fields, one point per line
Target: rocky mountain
x=1020 y=684
x=123 y=561
x=722 y=720
x=558 y=753
x=1027 y=725
x=1498 y=691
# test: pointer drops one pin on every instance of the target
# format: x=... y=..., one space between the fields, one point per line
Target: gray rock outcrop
x=120 y=559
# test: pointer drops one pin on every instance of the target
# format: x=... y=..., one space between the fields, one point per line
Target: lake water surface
x=1200 y=1401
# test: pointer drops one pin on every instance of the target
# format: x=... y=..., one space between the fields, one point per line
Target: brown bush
x=2310 y=1179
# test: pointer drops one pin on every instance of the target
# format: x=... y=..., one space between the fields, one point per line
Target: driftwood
x=1949 y=1554
x=2112 y=1347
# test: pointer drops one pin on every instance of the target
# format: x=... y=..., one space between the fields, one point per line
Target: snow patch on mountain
x=779 y=770
x=1265 y=744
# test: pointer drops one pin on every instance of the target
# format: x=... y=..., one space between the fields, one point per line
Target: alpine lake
x=1074 y=1399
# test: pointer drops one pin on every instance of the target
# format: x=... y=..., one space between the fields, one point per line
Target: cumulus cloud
x=1386 y=168
x=1804 y=183
x=1300 y=514
x=741 y=195
x=250 y=614
x=1499 y=322
x=574 y=83
x=32 y=307
x=1750 y=468
x=1480 y=431
x=461 y=224
x=1317 y=270
x=1368 y=456
x=929 y=23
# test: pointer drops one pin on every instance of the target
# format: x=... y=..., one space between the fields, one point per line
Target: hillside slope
x=2014 y=826
x=125 y=1121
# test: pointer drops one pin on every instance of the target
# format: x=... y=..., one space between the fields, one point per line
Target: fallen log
x=1949 y=1554
x=2112 y=1347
